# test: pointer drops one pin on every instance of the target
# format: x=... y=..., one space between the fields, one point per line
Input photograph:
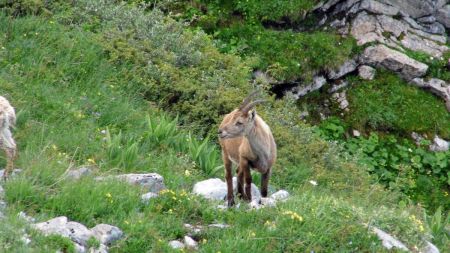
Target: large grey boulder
x=151 y=181
x=106 y=234
x=439 y=145
x=216 y=189
x=344 y=69
x=382 y=56
x=443 y=16
x=61 y=226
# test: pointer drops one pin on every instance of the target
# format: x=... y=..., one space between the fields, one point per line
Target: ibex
x=7 y=121
x=246 y=141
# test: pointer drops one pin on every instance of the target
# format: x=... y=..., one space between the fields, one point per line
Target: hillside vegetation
x=125 y=88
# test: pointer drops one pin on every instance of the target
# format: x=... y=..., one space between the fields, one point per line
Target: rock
x=79 y=248
x=439 y=145
x=254 y=205
x=346 y=68
x=280 y=195
x=194 y=229
x=443 y=16
x=388 y=241
x=427 y=19
x=429 y=248
x=341 y=98
x=417 y=138
x=417 y=43
x=147 y=196
x=78 y=173
x=394 y=26
x=337 y=87
x=106 y=234
x=268 y=202
x=378 y=7
x=300 y=91
x=218 y=225
x=214 y=189
x=434 y=28
x=382 y=56
x=152 y=181
x=414 y=8
x=436 y=86
x=356 y=133
x=176 y=244
x=25 y=239
x=101 y=249
x=78 y=233
x=24 y=216
x=365 y=29
x=366 y=72
x=15 y=172
x=190 y=243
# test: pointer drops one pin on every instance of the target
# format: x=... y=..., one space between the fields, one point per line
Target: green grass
x=69 y=84
x=389 y=104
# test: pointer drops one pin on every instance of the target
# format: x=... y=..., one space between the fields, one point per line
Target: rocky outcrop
x=80 y=234
x=436 y=86
x=383 y=56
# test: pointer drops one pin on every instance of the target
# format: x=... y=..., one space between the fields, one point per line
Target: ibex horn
x=247 y=99
x=251 y=105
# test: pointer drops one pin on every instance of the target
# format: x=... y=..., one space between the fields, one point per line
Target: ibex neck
x=260 y=140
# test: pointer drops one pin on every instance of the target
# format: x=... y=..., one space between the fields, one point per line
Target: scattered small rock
x=280 y=195
x=439 y=145
x=366 y=72
x=430 y=248
x=176 y=244
x=356 y=133
x=106 y=234
x=147 y=196
x=15 y=172
x=190 y=243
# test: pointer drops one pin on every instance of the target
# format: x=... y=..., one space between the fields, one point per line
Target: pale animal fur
x=7 y=143
x=246 y=141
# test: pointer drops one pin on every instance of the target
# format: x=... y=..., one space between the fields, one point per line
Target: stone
x=214 y=189
x=394 y=26
x=151 y=181
x=79 y=248
x=106 y=234
x=176 y=244
x=190 y=243
x=439 y=145
x=24 y=216
x=218 y=225
x=281 y=195
x=346 y=68
x=101 y=249
x=443 y=16
x=366 y=72
x=413 y=8
x=434 y=28
x=78 y=173
x=78 y=233
x=429 y=248
x=365 y=29
x=341 y=84
x=382 y=56
x=417 y=43
x=356 y=133
x=15 y=172
x=194 y=229
x=436 y=86
x=427 y=19
x=388 y=241
x=147 y=196
x=300 y=91
x=268 y=202
x=379 y=8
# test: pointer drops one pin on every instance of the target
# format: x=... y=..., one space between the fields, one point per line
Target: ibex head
x=240 y=121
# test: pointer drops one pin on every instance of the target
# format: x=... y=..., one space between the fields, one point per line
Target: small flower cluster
x=271 y=225
x=418 y=222
x=109 y=197
x=294 y=215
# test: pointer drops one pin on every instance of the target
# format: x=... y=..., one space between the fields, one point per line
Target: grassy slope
x=67 y=89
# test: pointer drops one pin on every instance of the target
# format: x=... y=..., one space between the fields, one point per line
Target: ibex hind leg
x=265 y=183
x=10 y=155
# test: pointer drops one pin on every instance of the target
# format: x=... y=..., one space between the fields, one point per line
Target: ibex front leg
x=229 y=179
x=9 y=146
x=244 y=167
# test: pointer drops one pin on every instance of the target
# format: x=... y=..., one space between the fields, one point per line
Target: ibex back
x=246 y=141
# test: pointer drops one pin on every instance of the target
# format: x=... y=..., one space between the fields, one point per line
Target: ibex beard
x=246 y=141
